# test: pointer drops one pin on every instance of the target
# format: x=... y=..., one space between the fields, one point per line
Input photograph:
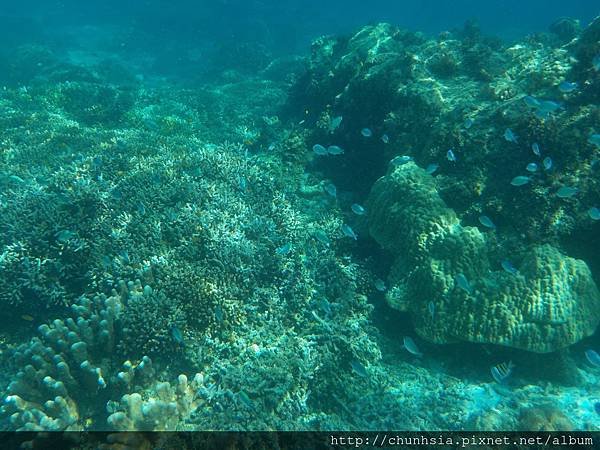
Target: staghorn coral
x=551 y=303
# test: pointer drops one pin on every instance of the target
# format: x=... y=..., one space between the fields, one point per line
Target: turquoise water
x=297 y=216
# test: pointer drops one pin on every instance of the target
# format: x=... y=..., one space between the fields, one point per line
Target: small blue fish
x=357 y=209
x=242 y=184
x=116 y=194
x=462 y=282
x=549 y=106
x=502 y=371
x=318 y=149
x=219 y=314
x=596 y=62
x=593 y=357
x=597 y=408
x=594 y=213
x=366 y=132
x=322 y=237
x=124 y=256
x=508 y=267
x=411 y=347
x=359 y=369
x=349 y=232
x=335 y=150
x=510 y=136
x=335 y=123
x=486 y=222
x=468 y=123
x=566 y=87
x=385 y=139
x=245 y=400
x=542 y=115
x=520 y=180
x=431 y=168
x=547 y=163
x=330 y=189
x=535 y=147
x=401 y=160
x=530 y=101
x=64 y=236
x=107 y=262
x=566 y=192
x=431 y=309
x=450 y=156
x=177 y=336
x=531 y=167
x=324 y=305
x=284 y=249
x=594 y=139
x=271 y=147
x=380 y=285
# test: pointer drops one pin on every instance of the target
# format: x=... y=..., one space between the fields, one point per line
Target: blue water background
x=284 y=25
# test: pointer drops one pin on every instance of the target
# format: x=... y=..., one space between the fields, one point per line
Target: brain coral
x=549 y=304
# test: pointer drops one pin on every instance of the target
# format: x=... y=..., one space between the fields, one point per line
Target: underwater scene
x=299 y=216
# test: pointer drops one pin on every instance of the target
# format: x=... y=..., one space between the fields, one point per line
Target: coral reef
x=66 y=371
x=550 y=303
x=247 y=274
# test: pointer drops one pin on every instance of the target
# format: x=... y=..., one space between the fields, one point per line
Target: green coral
x=551 y=303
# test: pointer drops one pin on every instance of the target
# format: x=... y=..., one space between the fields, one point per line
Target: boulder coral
x=445 y=275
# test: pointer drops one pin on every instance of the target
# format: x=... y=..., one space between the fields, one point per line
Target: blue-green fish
x=594 y=139
x=349 y=232
x=431 y=168
x=520 y=180
x=284 y=249
x=594 y=213
x=462 y=282
x=358 y=209
x=411 y=347
x=486 y=222
x=318 y=149
x=593 y=357
x=401 y=160
x=366 y=132
x=177 y=336
x=531 y=167
x=335 y=150
x=335 y=123
x=322 y=237
x=330 y=189
x=359 y=369
x=531 y=101
x=431 y=309
x=510 y=136
x=566 y=192
x=508 y=267
x=567 y=87
x=380 y=285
